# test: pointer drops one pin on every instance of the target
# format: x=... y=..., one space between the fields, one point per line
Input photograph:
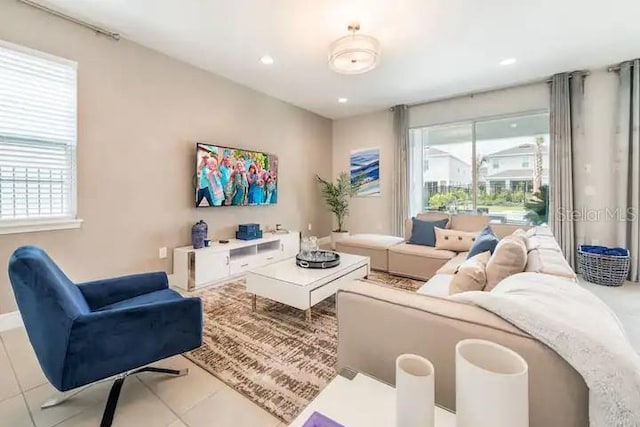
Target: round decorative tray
x=318 y=259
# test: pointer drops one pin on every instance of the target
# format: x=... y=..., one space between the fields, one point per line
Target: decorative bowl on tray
x=317 y=259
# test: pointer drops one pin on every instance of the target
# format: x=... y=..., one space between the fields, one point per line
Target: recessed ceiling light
x=508 y=61
x=514 y=125
x=342 y=100
x=266 y=60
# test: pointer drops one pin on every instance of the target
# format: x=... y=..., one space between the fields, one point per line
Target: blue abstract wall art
x=366 y=163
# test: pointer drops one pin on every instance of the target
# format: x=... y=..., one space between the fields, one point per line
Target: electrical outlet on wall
x=162 y=252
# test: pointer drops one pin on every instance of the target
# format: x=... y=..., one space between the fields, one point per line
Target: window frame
x=473 y=122
x=47 y=223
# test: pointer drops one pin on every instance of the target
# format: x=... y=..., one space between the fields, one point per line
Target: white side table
x=362 y=402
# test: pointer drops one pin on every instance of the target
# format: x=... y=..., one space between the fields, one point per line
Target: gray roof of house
x=521 y=150
x=515 y=173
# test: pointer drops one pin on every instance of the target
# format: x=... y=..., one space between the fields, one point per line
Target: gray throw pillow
x=423 y=233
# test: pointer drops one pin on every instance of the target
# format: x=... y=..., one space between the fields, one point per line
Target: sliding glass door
x=497 y=167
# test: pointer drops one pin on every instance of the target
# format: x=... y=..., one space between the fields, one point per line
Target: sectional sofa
x=396 y=256
x=378 y=323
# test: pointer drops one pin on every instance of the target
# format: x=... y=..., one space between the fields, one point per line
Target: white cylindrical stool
x=415 y=391
x=492 y=385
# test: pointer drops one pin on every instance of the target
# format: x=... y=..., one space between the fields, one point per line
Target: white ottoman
x=374 y=246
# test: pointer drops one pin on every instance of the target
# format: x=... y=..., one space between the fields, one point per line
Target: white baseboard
x=10 y=321
x=324 y=240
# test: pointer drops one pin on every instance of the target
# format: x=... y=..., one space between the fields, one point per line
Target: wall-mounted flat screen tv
x=233 y=177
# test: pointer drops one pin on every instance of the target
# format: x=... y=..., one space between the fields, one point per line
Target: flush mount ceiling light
x=342 y=100
x=266 y=60
x=508 y=61
x=354 y=54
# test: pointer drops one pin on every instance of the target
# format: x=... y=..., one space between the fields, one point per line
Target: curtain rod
x=618 y=66
x=98 y=30
x=582 y=73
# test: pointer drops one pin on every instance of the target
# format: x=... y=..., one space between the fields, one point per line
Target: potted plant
x=336 y=196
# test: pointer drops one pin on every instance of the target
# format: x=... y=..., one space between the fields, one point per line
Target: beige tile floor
x=198 y=399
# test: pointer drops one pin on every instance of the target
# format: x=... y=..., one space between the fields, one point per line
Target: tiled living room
x=347 y=213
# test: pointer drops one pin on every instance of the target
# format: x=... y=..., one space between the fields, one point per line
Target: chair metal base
x=114 y=394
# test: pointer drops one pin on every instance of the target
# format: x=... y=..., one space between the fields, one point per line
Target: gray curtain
x=400 y=199
x=567 y=131
x=627 y=167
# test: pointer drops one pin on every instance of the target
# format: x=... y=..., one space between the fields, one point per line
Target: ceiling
x=431 y=49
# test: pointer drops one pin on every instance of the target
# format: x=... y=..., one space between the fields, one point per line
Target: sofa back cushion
x=486 y=241
x=504 y=230
x=468 y=222
x=423 y=233
x=509 y=257
x=471 y=275
x=549 y=261
x=454 y=240
x=426 y=216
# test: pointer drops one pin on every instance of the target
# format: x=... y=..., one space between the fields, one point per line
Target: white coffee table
x=362 y=402
x=302 y=288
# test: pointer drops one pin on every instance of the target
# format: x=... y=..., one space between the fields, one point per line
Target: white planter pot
x=415 y=391
x=336 y=236
x=492 y=385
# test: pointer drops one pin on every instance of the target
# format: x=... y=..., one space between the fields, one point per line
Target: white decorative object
x=415 y=391
x=354 y=54
x=492 y=385
x=196 y=268
x=336 y=236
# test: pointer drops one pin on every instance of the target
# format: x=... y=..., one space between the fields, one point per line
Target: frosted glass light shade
x=415 y=391
x=492 y=385
x=354 y=54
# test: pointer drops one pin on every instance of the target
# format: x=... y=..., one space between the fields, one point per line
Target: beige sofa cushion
x=541 y=230
x=468 y=222
x=509 y=257
x=471 y=275
x=424 y=251
x=425 y=216
x=452 y=265
x=504 y=230
x=454 y=240
x=437 y=286
x=543 y=242
x=373 y=241
x=549 y=261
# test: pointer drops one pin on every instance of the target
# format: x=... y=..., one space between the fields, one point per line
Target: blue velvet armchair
x=93 y=331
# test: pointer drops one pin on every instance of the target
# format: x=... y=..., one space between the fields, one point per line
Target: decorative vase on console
x=415 y=391
x=199 y=233
x=492 y=385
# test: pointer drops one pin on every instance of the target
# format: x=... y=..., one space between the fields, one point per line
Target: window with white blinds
x=38 y=118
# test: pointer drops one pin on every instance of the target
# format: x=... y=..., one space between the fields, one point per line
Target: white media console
x=196 y=268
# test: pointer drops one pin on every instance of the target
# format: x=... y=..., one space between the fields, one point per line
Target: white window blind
x=38 y=118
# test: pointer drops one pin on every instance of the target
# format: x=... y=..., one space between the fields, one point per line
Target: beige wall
x=593 y=162
x=500 y=102
x=594 y=183
x=368 y=214
x=140 y=114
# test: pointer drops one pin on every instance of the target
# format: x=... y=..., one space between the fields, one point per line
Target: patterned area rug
x=272 y=356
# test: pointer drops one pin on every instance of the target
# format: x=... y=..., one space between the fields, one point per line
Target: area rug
x=272 y=356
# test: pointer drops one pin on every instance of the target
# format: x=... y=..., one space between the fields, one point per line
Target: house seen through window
x=507 y=179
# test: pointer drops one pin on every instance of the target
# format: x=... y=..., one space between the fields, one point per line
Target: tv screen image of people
x=233 y=177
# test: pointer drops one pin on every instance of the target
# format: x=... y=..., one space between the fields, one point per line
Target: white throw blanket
x=582 y=330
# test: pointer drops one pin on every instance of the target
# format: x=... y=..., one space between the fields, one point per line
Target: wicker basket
x=607 y=270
